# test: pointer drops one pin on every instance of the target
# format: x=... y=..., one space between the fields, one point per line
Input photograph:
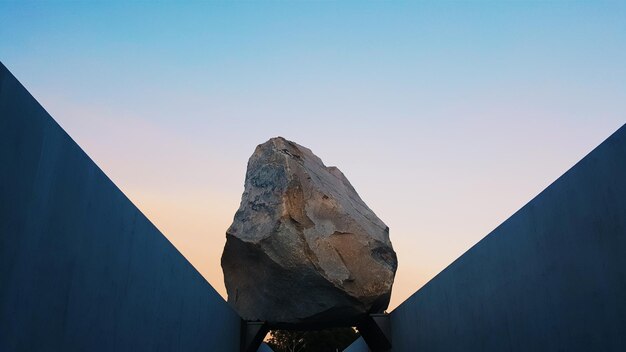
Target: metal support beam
x=376 y=331
x=252 y=334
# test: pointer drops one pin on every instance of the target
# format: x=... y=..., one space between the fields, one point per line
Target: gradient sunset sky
x=446 y=117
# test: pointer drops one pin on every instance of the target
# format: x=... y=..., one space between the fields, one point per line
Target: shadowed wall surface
x=265 y=348
x=81 y=268
x=550 y=278
x=358 y=345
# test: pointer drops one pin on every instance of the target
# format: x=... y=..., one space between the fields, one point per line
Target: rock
x=303 y=248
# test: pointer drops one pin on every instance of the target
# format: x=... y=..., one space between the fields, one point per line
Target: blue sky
x=446 y=116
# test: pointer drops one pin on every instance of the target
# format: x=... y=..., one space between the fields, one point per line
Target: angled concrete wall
x=81 y=268
x=358 y=345
x=550 y=278
x=265 y=348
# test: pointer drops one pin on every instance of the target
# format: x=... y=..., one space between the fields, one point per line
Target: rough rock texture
x=304 y=249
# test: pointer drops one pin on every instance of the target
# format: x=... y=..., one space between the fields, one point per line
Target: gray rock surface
x=303 y=248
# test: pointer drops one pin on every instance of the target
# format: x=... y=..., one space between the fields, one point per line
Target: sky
x=447 y=117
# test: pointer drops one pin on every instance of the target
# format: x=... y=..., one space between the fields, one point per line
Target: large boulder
x=303 y=248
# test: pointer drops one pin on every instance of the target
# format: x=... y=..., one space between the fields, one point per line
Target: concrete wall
x=81 y=268
x=358 y=345
x=550 y=278
x=265 y=348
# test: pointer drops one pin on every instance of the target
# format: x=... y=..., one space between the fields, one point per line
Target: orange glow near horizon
x=195 y=213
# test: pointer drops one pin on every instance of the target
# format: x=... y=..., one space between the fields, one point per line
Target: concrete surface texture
x=81 y=268
x=550 y=278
